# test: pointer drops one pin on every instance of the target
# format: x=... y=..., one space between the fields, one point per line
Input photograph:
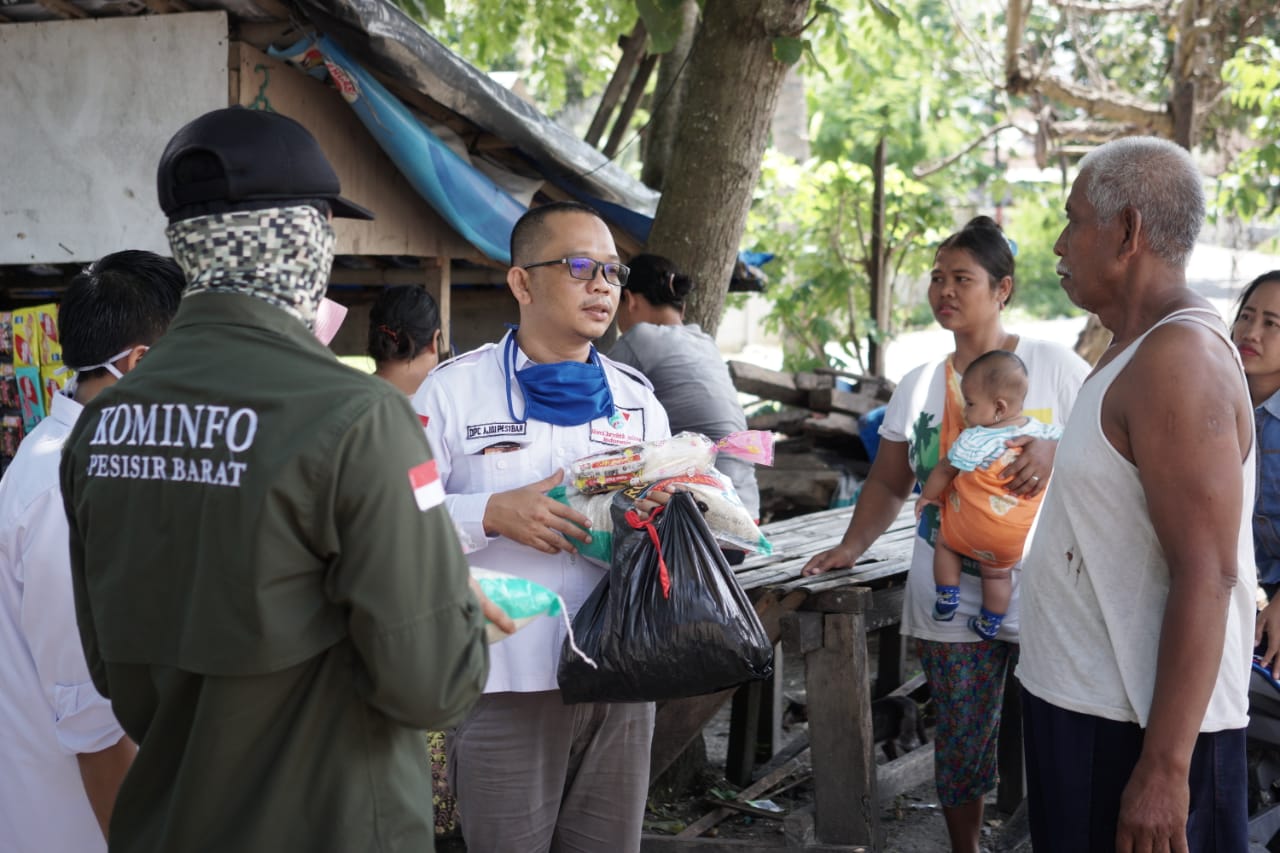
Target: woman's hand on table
x=839 y=557
x=1029 y=473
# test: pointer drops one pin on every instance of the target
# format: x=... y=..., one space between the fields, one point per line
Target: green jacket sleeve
x=401 y=575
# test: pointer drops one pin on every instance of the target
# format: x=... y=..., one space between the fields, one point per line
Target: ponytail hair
x=402 y=323
x=658 y=280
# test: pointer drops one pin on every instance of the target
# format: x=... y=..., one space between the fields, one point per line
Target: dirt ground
x=911 y=823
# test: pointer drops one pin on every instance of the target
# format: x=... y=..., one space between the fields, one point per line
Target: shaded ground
x=911 y=823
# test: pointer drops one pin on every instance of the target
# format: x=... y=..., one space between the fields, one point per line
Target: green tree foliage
x=817 y=217
x=1250 y=187
x=905 y=80
x=567 y=48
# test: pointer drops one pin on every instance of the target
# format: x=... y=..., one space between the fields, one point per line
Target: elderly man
x=1138 y=602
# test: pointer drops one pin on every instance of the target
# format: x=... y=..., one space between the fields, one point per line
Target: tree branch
x=1115 y=106
x=924 y=170
x=1119 y=6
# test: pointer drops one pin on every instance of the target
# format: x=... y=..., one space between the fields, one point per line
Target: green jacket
x=259 y=594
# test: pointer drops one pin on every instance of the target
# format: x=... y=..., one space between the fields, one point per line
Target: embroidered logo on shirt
x=428 y=491
x=490 y=430
x=625 y=427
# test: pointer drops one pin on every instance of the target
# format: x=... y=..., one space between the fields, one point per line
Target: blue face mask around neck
x=567 y=393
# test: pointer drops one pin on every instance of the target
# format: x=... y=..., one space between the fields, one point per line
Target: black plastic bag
x=699 y=635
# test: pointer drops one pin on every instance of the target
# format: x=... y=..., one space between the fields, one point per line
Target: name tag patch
x=490 y=430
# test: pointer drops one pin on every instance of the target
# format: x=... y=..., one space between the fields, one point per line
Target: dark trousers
x=1078 y=766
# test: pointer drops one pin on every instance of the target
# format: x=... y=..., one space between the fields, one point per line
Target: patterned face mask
x=281 y=255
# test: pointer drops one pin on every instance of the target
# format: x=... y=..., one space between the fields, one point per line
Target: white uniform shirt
x=464 y=406
x=49 y=709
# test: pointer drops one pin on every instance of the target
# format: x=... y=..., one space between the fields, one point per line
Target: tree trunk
x=733 y=84
x=668 y=96
x=1093 y=340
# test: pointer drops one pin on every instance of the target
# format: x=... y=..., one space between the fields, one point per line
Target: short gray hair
x=1159 y=180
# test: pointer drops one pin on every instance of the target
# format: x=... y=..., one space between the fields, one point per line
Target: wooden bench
x=825 y=622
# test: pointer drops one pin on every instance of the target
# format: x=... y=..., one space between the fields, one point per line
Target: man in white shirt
x=63 y=751
x=504 y=421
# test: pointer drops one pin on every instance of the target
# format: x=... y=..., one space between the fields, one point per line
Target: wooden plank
x=770 y=384
x=801 y=633
x=911 y=685
x=632 y=50
x=787 y=420
x=64 y=8
x=814 y=381
x=709 y=820
x=904 y=773
x=840 y=400
x=671 y=844
x=830 y=424
x=839 y=707
x=813 y=489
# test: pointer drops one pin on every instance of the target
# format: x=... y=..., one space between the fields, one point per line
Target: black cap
x=256 y=156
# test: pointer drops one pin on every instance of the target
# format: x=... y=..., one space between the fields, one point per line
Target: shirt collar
x=64 y=409
x=1272 y=405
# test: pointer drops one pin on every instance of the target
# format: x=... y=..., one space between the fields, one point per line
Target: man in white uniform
x=505 y=420
x=63 y=752
x=1138 y=595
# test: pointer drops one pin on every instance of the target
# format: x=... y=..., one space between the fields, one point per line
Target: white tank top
x=1095 y=580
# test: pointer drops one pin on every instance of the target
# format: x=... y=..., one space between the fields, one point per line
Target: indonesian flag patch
x=428 y=491
x=424 y=419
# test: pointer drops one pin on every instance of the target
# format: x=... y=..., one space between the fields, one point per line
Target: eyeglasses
x=584 y=269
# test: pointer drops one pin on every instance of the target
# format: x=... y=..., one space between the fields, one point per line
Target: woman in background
x=684 y=364
x=1256 y=333
x=404 y=336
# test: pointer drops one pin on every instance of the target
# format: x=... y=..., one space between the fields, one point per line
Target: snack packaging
x=683 y=454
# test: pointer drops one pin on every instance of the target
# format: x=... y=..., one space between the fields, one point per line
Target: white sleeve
x=83 y=720
x=907 y=402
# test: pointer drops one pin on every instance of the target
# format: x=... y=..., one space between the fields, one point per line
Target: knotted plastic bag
x=668 y=620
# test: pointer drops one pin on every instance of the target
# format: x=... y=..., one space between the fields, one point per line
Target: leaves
x=664 y=22
x=788 y=50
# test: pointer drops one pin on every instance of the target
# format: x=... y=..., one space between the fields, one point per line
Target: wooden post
x=839 y=702
x=744 y=726
x=889 y=659
x=755 y=722
x=437 y=276
x=632 y=48
x=643 y=72
x=1012 y=787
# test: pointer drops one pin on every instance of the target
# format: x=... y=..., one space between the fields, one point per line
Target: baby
x=980 y=518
